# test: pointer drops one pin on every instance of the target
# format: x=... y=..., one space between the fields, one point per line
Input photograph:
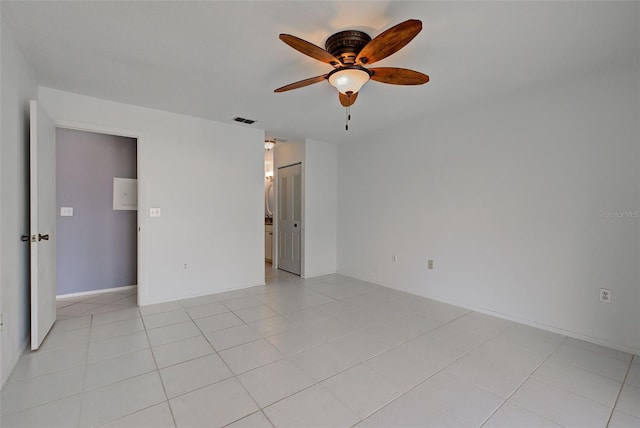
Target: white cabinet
x=268 y=242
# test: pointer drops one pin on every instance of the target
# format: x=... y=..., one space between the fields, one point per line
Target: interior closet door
x=290 y=218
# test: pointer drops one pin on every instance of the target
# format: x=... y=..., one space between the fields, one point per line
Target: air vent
x=243 y=120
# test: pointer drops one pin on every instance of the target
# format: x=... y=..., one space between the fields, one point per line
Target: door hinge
x=1 y=323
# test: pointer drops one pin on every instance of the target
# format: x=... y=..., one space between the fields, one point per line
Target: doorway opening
x=289 y=215
x=97 y=219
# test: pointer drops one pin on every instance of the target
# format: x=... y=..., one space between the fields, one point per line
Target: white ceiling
x=223 y=59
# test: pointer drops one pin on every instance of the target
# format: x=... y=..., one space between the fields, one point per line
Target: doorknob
x=43 y=237
x=25 y=238
x=295 y=224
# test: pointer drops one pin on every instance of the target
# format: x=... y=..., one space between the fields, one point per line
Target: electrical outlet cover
x=605 y=295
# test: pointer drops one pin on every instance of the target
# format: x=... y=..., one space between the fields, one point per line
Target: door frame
x=142 y=290
x=276 y=249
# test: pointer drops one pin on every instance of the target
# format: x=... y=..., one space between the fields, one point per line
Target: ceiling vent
x=243 y=120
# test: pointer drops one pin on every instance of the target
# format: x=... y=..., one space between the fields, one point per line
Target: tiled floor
x=328 y=351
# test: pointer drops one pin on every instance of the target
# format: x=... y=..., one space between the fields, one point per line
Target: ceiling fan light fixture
x=348 y=80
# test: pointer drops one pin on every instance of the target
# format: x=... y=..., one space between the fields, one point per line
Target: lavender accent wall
x=97 y=246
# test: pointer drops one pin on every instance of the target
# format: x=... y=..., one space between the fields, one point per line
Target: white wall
x=17 y=87
x=207 y=178
x=320 y=207
x=510 y=199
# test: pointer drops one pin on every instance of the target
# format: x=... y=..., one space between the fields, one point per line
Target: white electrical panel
x=125 y=193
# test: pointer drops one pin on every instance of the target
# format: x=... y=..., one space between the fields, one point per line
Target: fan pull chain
x=347 y=111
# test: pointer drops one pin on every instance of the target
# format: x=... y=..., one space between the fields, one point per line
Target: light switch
x=154 y=212
x=66 y=211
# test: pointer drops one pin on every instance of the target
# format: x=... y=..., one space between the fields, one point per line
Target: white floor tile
x=255 y=420
x=58 y=339
x=160 y=308
x=363 y=390
x=441 y=401
x=123 y=398
x=43 y=362
x=233 y=336
x=405 y=368
x=173 y=332
x=116 y=328
x=255 y=313
x=240 y=302
x=54 y=414
x=200 y=300
x=483 y=325
x=213 y=406
x=633 y=377
x=275 y=381
x=579 y=381
x=165 y=318
x=206 y=310
x=512 y=416
x=218 y=322
x=629 y=401
x=457 y=338
x=112 y=370
x=181 y=351
x=560 y=406
x=313 y=407
x=535 y=340
x=489 y=374
x=193 y=374
x=250 y=356
x=73 y=323
x=157 y=416
x=595 y=362
x=114 y=316
x=623 y=420
x=272 y=326
x=118 y=345
x=23 y=394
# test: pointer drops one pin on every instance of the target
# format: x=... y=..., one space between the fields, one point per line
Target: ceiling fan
x=348 y=52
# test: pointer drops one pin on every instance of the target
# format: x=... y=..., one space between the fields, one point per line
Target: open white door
x=42 y=183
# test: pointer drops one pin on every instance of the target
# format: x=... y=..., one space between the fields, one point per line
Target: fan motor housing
x=345 y=45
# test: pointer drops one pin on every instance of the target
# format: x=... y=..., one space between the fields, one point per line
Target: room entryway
x=290 y=218
x=97 y=217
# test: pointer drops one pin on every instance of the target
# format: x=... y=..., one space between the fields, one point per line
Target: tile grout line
x=153 y=355
x=84 y=374
x=234 y=376
x=615 y=403
x=424 y=380
x=520 y=386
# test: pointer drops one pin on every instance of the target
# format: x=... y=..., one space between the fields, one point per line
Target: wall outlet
x=155 y=212
x=429 y=264
x=394 y=258
x=66 y=211
x=605 y=295
x=184 y=267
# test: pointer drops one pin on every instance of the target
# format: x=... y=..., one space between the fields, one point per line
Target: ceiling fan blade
x=347 y=101
x=398 y=76
x=389 y=42
x=310 y=49
x=302 y=83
